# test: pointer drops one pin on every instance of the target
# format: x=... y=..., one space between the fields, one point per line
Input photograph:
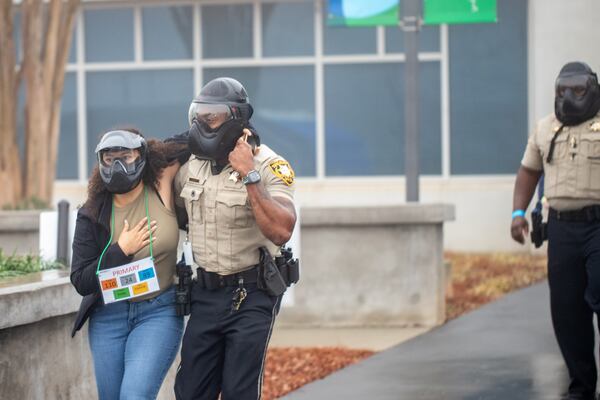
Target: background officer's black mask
x=577 y=96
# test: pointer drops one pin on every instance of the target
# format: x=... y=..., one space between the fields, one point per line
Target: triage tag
x=128 y=281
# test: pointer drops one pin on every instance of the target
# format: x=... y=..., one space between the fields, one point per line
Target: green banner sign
x=362 y=12
x=459 y=11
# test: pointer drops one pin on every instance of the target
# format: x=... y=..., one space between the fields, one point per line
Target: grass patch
x=14 y=265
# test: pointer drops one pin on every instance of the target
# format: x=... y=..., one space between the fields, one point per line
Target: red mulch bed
x=477 y=279
x=287 y=369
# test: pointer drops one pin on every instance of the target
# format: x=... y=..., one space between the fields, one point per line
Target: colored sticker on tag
x=128 y=280
x=283 y=170
x=109 y=284
x=146 y=274
x=140 y=288
x=121 y=293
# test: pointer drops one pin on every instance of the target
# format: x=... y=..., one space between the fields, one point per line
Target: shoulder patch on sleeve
x=283 y=171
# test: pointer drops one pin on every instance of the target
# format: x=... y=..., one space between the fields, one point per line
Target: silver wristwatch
x=252 y=177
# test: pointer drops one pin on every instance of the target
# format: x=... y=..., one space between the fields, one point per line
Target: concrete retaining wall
x=38 y=359
x=371 y=266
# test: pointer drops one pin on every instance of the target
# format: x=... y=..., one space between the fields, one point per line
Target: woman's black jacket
x=90 y=239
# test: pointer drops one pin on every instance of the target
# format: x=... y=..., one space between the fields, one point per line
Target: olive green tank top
x=166 y=236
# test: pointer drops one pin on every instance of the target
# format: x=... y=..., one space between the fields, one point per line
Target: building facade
x=330 y=99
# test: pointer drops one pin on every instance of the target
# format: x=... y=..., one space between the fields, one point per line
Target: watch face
x=252 y=177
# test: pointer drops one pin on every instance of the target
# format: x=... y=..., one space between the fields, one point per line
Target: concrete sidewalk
x=505 y=350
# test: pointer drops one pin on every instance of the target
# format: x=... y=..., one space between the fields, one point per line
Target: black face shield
x=577 y=94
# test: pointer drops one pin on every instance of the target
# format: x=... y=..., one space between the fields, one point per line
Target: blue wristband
x=518 y=213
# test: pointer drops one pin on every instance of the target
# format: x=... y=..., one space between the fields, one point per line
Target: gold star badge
x=595 y=126
x=283 y=170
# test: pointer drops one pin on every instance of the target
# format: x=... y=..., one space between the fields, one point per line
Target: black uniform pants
x=223 y=351
x=574 y=278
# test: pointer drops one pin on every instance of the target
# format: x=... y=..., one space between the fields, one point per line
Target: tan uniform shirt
x=223 y=231
x=572 y=178
x=164 y=246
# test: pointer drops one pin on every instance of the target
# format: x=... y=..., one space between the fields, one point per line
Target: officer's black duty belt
x=212 y=280
x=586 y=214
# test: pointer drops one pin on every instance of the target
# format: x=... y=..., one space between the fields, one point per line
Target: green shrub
x=20 y=265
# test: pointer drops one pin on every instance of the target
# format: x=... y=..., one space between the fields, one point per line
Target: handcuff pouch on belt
x=275 y=275
x=289 y=267
x=539 y=229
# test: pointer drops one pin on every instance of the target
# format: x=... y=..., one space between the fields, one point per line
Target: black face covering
x=577 y=97
x=215 y=145
x=223 y=104
x=118 y=181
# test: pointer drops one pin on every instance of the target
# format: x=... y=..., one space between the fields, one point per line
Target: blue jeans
x=133 y=345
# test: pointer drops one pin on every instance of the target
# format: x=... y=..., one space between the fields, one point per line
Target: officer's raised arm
x=275 y=215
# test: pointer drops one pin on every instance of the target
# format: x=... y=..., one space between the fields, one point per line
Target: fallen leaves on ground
x=287 y=369
x=476 y=279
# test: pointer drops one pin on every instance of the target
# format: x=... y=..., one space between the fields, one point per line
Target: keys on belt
x=239 y=296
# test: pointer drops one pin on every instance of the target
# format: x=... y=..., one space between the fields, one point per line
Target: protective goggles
x=213 y=115
x=113 y=156
x=577 y=84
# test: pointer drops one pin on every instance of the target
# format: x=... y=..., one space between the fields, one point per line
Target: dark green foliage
x=14 y=265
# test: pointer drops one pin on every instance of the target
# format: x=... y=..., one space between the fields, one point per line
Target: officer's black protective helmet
x=218 y=93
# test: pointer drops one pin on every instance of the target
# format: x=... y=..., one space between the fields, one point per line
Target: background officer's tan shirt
x=223 y=231
x=572 y=178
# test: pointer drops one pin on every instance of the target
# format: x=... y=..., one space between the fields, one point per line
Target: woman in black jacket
x=128 y=220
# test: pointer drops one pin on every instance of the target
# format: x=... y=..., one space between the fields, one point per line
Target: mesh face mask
x=121 y=160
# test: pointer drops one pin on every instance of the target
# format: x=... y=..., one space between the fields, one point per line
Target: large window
x=109 y=35
x=364 y=128
x=329 y=99
x=155 y=102
x=488 y=92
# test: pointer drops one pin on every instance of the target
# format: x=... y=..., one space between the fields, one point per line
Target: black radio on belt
x=183 y=294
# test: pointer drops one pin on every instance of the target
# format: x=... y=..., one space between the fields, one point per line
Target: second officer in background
x=566 y=148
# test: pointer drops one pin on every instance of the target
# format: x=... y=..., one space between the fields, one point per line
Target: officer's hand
x=133 y=240
x=241 y=157
x=519 y=229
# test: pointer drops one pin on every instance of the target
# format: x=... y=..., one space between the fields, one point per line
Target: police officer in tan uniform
x=238 y=195
x=565 y=147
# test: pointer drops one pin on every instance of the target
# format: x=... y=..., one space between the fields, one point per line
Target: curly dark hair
x=159 y=156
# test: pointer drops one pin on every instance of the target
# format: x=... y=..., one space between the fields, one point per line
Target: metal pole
x=62 y=241
x=410 y=25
